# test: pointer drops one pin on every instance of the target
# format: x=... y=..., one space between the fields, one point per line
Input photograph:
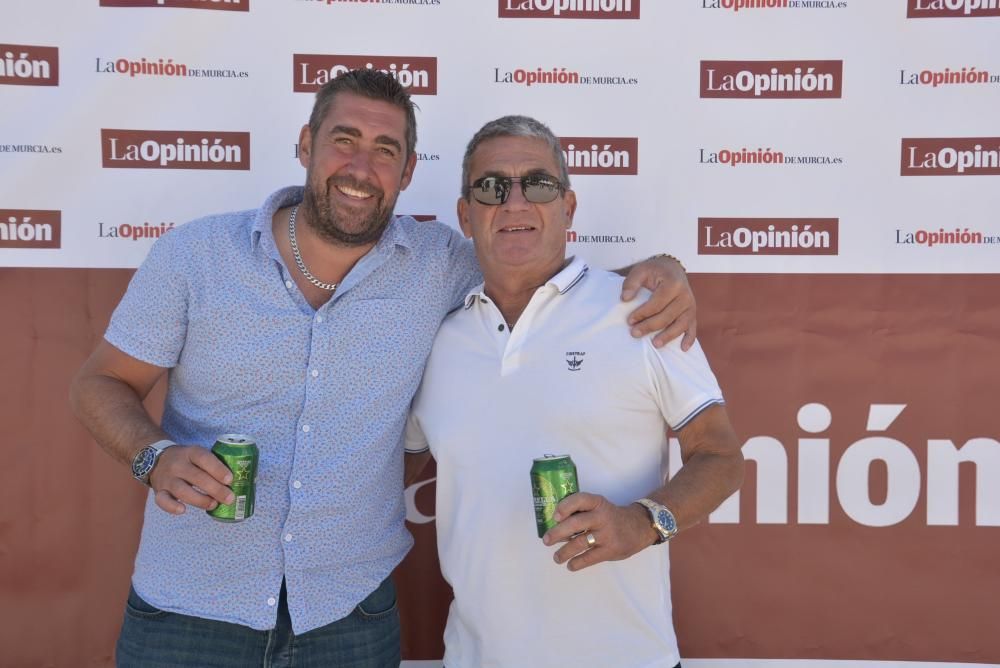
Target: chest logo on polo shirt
x=574 y=360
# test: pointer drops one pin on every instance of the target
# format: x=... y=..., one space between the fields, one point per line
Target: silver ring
x=591 y=541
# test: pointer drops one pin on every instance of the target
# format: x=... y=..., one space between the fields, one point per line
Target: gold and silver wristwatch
x=661 y=518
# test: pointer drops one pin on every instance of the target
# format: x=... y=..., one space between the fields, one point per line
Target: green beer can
x=238 y=452
x=553 y=478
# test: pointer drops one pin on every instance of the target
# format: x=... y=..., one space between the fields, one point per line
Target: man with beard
x=305 y=323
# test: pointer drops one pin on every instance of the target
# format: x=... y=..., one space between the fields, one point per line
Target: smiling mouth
x=354 y=193
x=517 y=228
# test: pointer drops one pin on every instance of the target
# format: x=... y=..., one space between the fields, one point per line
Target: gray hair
x=514 y=126
x=372 y=84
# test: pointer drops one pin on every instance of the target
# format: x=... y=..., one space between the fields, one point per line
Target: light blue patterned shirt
x=325 y=393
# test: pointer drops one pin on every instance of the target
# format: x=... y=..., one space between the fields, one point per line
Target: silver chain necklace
x=298 y=256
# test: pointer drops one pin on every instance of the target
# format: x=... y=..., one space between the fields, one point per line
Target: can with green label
x=553 y=478
x=239 y=452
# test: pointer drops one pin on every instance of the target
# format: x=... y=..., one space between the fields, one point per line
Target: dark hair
x=370 y=83
x=514 y=126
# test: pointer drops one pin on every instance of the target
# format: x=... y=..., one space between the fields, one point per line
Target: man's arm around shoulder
x=670 y=307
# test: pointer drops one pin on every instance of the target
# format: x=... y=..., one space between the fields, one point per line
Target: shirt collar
x=563 y=281
x=260 y=231
x=570 y=275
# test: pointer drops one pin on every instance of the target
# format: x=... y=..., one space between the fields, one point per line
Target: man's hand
x=192 y=475
x=618 y=531
x=671 y=307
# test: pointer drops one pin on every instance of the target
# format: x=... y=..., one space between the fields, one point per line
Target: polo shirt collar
x=563 y=281
x=570 y=275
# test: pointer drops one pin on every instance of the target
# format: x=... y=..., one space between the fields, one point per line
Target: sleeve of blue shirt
x=150 y=321
x=465 y=273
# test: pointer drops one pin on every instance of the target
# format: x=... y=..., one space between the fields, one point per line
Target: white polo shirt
x=569 y=379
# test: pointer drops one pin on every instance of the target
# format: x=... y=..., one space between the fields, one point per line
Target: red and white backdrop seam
x=827 y=171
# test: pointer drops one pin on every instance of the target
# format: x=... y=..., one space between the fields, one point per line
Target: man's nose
x=515 y=199
x=360 y=163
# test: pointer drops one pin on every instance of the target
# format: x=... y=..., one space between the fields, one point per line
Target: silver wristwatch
x=661 y=518
x=145 y=460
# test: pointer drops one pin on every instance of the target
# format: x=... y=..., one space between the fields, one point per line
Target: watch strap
x=162 y=445
x=145 y=459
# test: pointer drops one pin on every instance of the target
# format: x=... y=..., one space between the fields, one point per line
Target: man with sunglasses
x=539 y=361
x=304 y=323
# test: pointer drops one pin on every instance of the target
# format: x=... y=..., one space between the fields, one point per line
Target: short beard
x=321 y=217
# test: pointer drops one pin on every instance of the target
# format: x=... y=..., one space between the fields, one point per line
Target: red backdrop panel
x=69 y=517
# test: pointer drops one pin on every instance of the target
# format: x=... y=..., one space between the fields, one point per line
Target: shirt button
x=500 y=328
x=288 y=538
x=306 y=428
x=297 y=484
x=314 y=373
x=271 y=601
x=288 y=284
x=319 y=318
x=482 y=301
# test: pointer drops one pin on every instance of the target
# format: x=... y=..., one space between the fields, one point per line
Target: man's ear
x=569 y=207
x=411 y=164
x=305 y=145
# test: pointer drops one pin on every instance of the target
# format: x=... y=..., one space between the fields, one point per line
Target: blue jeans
x=366 y=638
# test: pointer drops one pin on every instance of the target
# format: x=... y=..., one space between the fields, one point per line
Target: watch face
x=143 y=462
x=666 y=520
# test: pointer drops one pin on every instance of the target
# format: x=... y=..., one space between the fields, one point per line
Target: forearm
x=704 y=482
x=712 y=470
x=114 y=415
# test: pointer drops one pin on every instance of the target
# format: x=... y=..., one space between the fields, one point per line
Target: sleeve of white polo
x=684 y=384
x=414 y=439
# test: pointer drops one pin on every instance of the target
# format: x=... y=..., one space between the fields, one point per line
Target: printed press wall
x=827 y=171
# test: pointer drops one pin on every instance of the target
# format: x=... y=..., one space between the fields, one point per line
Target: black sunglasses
x=536 y=188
